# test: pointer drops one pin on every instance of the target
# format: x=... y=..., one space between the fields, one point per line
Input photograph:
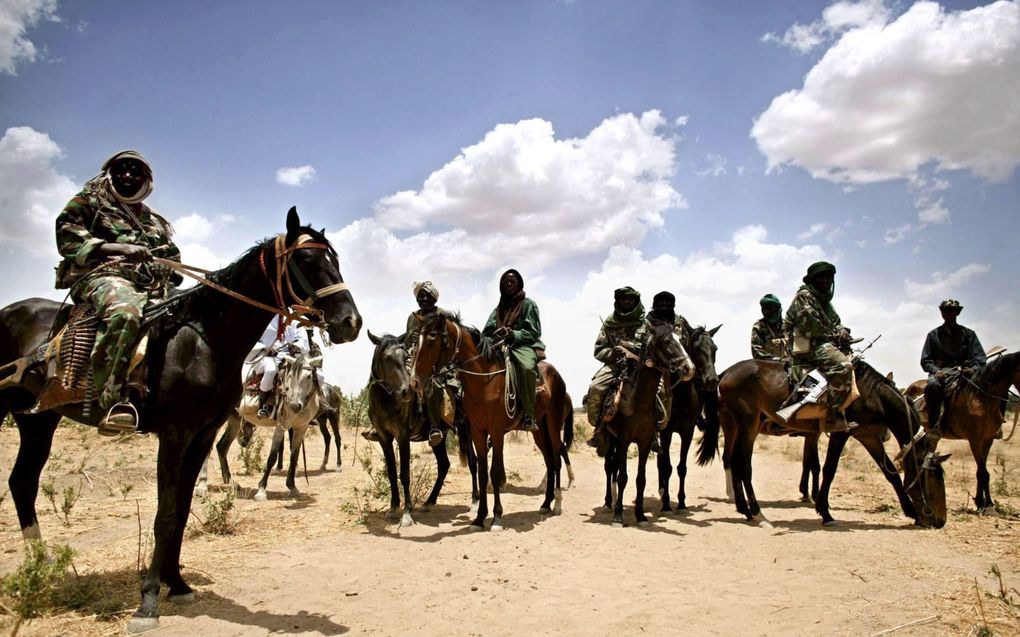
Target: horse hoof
x=324 y=468
x=474 y=508
x=805 y=498
x=644 y=523
x=617 y=525
x=765 y=524
x=497 y=526
x=476 y=527
x=406 y=520
x=339 y=469
x=393 y=514
x=141 y=625
x=830 y=523
x=545 y=511
x=182 y=598
x=260 y=496
x=294 y=493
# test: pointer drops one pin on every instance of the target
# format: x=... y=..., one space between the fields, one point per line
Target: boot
x=371 y=435
x=528 y=423
x=265 y=404
x=835 y=422
x=596 y=438
x=435 y=437
x=656 y=447
x=934 y=410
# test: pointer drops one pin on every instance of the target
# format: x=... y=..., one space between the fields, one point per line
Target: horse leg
x=753 y=510
x=728 y=424
x=665 y=468
x=335 y=425
x=809 y=468
x=554 y=431
x=223 y=446
x=297 y=439
x=639 y=483
x=473 y=468
x=498 y=480
x=686 y=438
x=565 y=454
x=36 y=435
x=386 y=443
x=404 y=447
x=739 y=458
x=621 y=482
x=275 y=451
x=980 y=449
x=479 y=440
x=326 y=438
x=442 y=468
x=877 y=451
x=279 y=459
x=608 y=463
x=836 y=443
x=544 y=445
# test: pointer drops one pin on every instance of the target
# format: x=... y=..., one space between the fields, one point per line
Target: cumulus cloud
x=815 y=229
x=16 y=18
x=32 y=190
x=192 y=227
x=295 y=175
x=715 y=166
x=943 y=284
x=930 y=87
x=836 y=19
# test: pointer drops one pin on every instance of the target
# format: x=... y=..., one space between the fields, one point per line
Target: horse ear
x=372 y=337
x=715 y=329
x=943 y=458
x=293 y=225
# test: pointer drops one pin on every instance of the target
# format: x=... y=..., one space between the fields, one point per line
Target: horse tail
x=568 y=422
x=463 y=441
x=709 y=443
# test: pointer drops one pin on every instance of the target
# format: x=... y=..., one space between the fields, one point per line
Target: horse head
x=431 y=350
x=702 y=350
x=663 y=350
x=301 y=382
x=926 y=481
x=389 y=367
x=313 y=280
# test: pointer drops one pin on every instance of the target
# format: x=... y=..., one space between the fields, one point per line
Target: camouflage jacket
x=91 y=219
x=767 y=341
x=811 y=318
x=610 y=337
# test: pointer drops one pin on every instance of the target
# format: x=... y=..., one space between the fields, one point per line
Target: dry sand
x=328 y=562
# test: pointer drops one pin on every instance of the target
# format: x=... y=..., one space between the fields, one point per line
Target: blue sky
x=590 y=144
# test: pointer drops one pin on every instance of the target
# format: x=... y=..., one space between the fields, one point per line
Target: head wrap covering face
x=619 y=318
x=817 y=268
x=427 y=286
x=770 y=299
x=510 y=305
x=146 y=188
x=663 y=307
x=771 y=302
x=950 y=304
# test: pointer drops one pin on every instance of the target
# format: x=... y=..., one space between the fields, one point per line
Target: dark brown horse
x=752 y=388
x=194 y=381
x=693 y=401
x=444 y=342
x=974 y=413
x=662 y=359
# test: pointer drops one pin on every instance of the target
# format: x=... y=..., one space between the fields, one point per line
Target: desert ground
x=329 y=562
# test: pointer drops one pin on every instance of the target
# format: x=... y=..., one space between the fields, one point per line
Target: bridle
x=289 y=304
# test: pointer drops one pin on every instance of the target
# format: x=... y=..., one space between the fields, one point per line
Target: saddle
x=808 y=400
x=68 y=363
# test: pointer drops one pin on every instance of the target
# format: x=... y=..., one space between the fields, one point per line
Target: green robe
x=527 y=338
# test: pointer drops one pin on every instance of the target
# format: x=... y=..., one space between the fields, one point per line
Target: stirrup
x=123 y=421
x=435 y=438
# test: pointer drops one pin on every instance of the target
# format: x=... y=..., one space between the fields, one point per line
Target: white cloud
x=295 y=175
x=943 y=285
x=32 y=190
x=934 y=213
x=192 y=227
x=836 y=19
x=897 y=234
x=200 y=256
x=930 y=87
x=815 y=228
x=681 y=121
x=16 y=18
x=715 y=166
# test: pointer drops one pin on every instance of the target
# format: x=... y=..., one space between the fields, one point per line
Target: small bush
x=217 y=514
x=251 y=456
x=32 y=589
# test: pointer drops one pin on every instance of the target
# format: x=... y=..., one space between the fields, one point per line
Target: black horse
x=194 y=380
x=393 y=410
x=693 y=401
x=329 y=418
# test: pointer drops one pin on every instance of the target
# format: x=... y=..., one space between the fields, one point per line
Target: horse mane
x=996 y=371
x=870 y=383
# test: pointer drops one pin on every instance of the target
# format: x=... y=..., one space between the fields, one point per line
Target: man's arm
x=529 y=325
x=975 y=353
x=928 y=354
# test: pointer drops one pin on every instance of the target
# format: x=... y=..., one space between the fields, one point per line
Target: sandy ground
x=328 y=562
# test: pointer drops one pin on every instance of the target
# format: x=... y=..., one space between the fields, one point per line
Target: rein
x=283 y=255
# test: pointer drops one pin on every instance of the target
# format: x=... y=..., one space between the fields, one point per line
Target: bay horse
x=194 y=380
x=975 y=413
x=753 y=388
x=330 y=410
x=661 y=359
x=693 y=401
x=443 y=343
x=394 y=413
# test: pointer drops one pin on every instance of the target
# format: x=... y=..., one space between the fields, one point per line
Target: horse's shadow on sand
x=812 y=525
x=459 y=516
x=603 y=516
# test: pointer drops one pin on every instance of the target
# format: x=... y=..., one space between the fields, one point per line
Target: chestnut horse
x=752 y=388
x=445 y=342
x=662 y=359
x=974 y=413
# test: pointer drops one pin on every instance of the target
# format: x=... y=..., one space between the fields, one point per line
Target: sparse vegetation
x=251 y=456
x=218 y=518
x=31 y=590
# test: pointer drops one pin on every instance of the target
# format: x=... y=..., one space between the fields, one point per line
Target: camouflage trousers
x=118 y=304
x=837 y=369
x=597 y=392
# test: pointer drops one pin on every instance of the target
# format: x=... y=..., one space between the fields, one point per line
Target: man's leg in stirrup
x=119 y=308
x=266 y=386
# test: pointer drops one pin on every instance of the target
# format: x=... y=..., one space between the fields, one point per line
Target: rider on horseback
x=426 y=294
x=275 y=345
x=107 y=238
x=664 y=310
x=621 y=334
x=767 y=339
x=950 y=351
x=516 y=323
x=819 y=339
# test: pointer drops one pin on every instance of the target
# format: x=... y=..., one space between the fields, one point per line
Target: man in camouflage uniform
x=816 y=336
x=767 y=339
x=950 y=351
x=622 y=331
x=107 y=238
x=516 y=323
